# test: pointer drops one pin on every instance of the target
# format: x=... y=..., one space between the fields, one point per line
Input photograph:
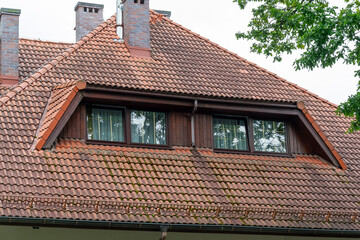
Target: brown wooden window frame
x=245 y=119
x=122 y=109
x=127 y=128
x=286 y=129
x=128 y=117
x=250 y=136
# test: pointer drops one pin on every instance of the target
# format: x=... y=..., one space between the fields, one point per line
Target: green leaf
x=323 y=33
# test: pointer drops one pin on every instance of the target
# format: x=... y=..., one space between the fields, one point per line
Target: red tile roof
x=263 y=191
x=3 y=90
x=181 y=185
x=33 y=54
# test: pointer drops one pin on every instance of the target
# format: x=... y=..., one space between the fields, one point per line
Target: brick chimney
x=88 y=17
x=136 y=22
x=9 y=46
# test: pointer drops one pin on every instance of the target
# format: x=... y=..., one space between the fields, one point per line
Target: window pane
x=269 y=136
x=148 y=127
x=230 y=134
x=105 y=125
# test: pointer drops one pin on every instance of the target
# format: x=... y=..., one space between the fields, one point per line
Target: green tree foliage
x=323 y=33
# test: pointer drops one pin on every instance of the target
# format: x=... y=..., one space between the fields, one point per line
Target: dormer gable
x=62 y=103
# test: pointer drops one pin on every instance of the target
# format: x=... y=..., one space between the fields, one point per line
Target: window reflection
x=269 y=136
x=148 y=127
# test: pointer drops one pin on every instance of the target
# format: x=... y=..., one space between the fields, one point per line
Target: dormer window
x=269 y=136
x=148 y=127
x=105 y=124
x=120 y=125
x=232 y=133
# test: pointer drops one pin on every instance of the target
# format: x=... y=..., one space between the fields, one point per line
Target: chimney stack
x=136 y=23
x=9 y=46
x=88 y=17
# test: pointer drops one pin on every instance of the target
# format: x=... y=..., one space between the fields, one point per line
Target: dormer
x=111 y=118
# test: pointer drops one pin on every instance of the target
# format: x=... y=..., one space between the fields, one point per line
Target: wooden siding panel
x=75 y=128
x=180 y=125
x=198 y=127
x=171 y=128
x=203 y=130
x=180 y=129
x=82 y=121
x=301 y=141
x=210 y=137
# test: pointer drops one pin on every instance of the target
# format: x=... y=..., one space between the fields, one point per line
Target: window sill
x=123 y=144
x=229 y=151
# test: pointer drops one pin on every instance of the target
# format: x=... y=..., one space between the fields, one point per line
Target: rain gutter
x=161 y=228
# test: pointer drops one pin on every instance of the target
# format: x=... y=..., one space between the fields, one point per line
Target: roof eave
x=175 y=227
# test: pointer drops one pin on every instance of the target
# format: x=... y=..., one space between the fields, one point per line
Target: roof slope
x=33 y=54
x=129 y=184
x=182 y=63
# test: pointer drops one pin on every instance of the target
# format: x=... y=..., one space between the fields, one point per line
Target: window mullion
x=235 y=137
x=128 y=126
x=111 y=130
x=251 y=136
x=99 y=125
x=154 y=126
x=223 y=127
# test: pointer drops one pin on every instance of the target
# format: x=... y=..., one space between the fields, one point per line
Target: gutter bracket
x=164 y=230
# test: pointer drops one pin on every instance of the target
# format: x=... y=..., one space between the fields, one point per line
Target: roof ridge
x=247 y=61
x=45 y=41
x=51 y=64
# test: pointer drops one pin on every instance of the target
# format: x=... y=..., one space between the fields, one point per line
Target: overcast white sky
x=216 y=20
